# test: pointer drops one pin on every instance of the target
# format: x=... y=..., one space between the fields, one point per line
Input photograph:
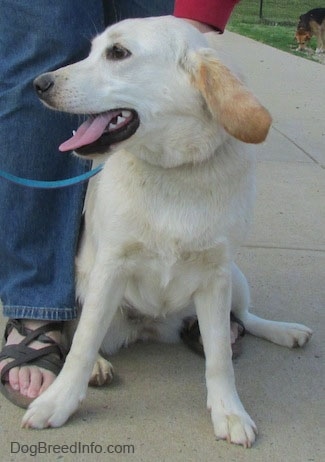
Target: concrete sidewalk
x=158 y=402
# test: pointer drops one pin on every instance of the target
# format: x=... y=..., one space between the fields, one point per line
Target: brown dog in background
x=311 y=24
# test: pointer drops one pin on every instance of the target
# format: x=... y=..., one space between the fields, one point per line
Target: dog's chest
x=160 y=284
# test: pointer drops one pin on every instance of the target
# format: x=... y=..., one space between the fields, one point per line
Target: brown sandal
x=50 y=357
x=191 y=336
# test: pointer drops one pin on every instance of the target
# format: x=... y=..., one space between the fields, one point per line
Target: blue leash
x=51 y=184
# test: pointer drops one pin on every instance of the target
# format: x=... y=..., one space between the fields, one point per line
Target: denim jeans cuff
x=40 y=313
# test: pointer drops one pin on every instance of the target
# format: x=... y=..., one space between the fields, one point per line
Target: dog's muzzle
x=99 y=131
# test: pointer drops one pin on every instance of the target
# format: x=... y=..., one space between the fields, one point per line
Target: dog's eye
x=117 y=52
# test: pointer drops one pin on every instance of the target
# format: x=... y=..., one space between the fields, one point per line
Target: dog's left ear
x=228 y=100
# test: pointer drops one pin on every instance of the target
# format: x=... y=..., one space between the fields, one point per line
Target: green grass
x=276 y=11
x=281 y=37
x=277 y=25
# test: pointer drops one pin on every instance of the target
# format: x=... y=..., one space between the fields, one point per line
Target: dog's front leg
x=230 y=420
x=61 y=399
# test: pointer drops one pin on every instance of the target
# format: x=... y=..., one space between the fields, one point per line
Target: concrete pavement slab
x=290 y=86
x=278 y=148
x=289 y=209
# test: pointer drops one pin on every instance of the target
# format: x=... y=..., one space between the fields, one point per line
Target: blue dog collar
x=51 y=184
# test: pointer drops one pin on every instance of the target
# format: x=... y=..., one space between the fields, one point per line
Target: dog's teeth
x=73 y=132
x=119 y=121
x=126 y=114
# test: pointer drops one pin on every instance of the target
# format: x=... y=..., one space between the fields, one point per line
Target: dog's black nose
x=43 y=84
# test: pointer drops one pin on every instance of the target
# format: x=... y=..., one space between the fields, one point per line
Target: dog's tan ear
x=229 y=101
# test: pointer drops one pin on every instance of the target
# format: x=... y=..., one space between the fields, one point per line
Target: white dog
x=168 y=211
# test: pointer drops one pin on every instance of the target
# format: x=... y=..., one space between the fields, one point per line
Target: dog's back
x=317 y=15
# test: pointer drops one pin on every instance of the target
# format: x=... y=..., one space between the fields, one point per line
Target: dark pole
x=261 y=9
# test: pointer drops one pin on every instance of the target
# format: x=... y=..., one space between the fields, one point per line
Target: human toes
x=13 y=378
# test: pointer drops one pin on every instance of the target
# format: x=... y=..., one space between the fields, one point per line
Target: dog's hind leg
x=240 y=299
x=282 y=333
x=286 y=334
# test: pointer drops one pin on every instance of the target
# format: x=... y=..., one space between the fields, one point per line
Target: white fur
x=167 y=213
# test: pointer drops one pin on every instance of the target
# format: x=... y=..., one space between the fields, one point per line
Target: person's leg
x=117 y=10
x=39 y=229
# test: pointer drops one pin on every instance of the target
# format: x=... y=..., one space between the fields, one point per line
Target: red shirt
x=215 y=13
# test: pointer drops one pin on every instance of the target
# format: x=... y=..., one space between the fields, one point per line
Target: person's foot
x=30 y=379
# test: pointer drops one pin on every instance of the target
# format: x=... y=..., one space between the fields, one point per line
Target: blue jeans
x=39 y=228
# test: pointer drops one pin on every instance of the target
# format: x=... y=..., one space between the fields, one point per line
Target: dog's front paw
x=102 y=374
x=237 y=428
x=51 y=409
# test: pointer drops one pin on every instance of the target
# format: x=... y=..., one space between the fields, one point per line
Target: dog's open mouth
x=100 y=131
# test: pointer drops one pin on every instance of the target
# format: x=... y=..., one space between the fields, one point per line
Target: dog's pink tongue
x=87 y=133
